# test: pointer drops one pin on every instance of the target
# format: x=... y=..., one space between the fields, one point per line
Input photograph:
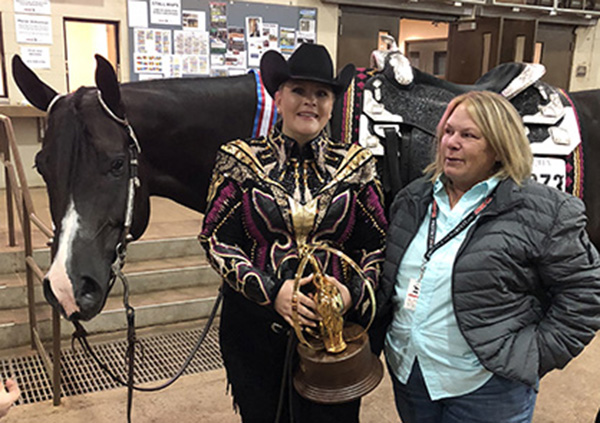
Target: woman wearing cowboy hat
x=258 y=188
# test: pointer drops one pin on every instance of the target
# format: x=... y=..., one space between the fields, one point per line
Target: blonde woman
x=490 y=280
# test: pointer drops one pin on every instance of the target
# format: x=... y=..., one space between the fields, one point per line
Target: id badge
x=412 y=294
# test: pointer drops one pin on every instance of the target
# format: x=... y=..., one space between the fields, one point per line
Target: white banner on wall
x=165 y=12
x=36 y=57
x=33 y=29
x=32 y=6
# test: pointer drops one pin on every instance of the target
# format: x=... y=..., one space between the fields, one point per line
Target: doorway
x=84 y=39
x=359 y=34
x=555 y=44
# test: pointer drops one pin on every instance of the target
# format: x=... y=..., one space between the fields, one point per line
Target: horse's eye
x=117 y=166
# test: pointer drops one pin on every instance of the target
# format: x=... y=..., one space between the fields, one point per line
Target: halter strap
x=117 y=119
x=53 y=102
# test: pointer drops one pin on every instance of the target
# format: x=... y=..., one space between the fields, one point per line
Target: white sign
x=137 y=12
x=36 y=57
x=165 y=12
x=32 y=29
x=32 y=6
x=550 y=171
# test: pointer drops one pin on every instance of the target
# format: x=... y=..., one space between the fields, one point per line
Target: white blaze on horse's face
x=60 y=283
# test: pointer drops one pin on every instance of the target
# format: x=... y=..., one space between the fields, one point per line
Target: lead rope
x=80 y=335
x=286 y=379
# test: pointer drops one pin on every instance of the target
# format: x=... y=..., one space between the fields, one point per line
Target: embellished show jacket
x=263 y=189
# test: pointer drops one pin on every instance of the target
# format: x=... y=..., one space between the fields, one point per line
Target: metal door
x=556 y=44
x=473 y=49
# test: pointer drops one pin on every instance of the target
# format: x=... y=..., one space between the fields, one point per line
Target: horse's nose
x=90 y=294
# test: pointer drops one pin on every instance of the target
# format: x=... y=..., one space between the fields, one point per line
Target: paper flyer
x=254 y=27
x=271 y=35
x=33 y=29
x=190 y=42
x=165 y=12
x=194 y=20
x=152 y=41
x=148 y=63
x=137 y=13
x=218 y=28
x=41 y=7
x=287 y=40
x=36 y=57
x=218 y=71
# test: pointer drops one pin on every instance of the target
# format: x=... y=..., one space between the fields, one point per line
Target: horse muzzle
x=87 y=302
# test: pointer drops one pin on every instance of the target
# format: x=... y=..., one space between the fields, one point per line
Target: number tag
x=412 y=294
x=550 y=171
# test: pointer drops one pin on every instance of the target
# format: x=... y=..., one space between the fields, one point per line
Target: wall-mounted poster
x=36 y=57
x=32 y=6
x=218 y=28
x=307 y=26
x=137 y=13
x=190 y=42
x=271 y=35
x=194 y=20
x=254 y=26
x=165 y=12
x=287 y=40
x=33 y=29
x=152 y=41
x=148 y=63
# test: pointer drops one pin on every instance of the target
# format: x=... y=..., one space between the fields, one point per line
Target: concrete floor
x=568 y=396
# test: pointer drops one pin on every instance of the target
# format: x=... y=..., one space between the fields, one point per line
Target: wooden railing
x=18 y=195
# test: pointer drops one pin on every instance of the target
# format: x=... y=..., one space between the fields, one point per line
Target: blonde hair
x=502 y=127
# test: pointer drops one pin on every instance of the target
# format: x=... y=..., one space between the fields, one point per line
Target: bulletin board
x=190 y=38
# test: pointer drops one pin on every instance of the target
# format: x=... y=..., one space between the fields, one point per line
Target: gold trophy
x=336 y=362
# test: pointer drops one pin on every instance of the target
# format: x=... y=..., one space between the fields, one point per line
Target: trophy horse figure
x=343 y=368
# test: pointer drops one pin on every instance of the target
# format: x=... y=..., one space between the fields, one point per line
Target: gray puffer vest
x=526 y=281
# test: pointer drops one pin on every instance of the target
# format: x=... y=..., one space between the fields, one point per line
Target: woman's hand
x=8 y=396
x=305 y=305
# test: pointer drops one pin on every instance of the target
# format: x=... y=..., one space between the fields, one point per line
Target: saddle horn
x=35 y=91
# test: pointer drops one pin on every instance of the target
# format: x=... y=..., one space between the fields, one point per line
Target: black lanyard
x=432 y=246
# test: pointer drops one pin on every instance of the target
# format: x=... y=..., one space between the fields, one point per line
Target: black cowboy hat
x=310 y=62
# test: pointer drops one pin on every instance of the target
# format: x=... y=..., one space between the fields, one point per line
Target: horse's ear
x=106 y=81
x=35 y=91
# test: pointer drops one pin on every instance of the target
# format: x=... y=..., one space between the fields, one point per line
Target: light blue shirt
x=428 y=330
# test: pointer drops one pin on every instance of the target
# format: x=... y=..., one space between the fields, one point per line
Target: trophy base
x=327 y=378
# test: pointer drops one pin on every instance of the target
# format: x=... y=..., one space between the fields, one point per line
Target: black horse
x=180 y=124
x=88 y=162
